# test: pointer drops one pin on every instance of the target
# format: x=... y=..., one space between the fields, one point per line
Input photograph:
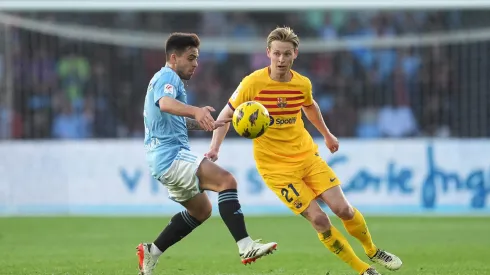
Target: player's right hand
x=204 y=118
x=221 y=122
x=212 y=155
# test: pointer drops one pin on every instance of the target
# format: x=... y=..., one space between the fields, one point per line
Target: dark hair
x=179 y=42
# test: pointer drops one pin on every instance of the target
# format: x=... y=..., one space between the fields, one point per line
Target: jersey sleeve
x=308 y=93
x=243 y=93
x=165 y=85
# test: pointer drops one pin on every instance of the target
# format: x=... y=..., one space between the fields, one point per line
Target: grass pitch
x=100 y=245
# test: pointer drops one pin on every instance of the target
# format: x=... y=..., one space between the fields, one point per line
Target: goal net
x=374 y=74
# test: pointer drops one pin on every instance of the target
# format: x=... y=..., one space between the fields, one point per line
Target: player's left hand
x=332 y=143
x=221 y=123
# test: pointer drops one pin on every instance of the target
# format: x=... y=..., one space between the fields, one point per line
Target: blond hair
x=284 y=34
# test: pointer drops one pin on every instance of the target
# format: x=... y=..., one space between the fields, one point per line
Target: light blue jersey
x=165 y=134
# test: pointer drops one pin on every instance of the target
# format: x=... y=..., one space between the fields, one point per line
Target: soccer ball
x=251 y=119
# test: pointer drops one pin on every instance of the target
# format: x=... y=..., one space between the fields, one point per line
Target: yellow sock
x=358 y=229
x=336 y=242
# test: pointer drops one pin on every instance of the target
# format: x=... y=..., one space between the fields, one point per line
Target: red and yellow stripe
x=294 y=99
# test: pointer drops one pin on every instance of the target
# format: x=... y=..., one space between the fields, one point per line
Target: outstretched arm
x=175 y=107
x=192 y=124
x=242 y=94
x=203 y=119
x=220 y=133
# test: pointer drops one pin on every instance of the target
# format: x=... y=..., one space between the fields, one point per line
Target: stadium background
x=405 y=89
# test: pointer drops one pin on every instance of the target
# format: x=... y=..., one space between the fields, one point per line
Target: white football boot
x=386 y=259
x=146 y=261
x=256 y=250
x=371 y=271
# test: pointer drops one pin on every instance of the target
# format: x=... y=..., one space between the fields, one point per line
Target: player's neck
x=280 y=77
x=170 y=66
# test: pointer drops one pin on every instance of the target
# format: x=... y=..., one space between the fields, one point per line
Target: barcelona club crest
x=282 y=102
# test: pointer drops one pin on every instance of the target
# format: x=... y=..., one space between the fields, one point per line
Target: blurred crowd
x=68 y=89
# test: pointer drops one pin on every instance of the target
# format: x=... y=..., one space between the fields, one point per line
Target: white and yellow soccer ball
x=251 y=119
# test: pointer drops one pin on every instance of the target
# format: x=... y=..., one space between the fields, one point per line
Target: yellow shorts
x=297 y=189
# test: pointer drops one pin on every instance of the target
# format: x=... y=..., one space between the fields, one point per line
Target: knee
x=345 y=212
x=320 y=222
x=227 y=181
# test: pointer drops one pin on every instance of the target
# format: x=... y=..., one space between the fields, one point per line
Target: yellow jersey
x=286 y=144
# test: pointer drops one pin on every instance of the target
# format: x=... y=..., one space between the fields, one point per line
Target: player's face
x=282 y=55
x=186 y=64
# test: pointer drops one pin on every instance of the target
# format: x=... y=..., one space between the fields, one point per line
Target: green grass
x=96 y=246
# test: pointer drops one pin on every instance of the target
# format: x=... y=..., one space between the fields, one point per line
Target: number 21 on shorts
x=285 y=192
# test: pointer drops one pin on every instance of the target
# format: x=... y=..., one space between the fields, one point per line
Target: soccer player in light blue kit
x=167 y=118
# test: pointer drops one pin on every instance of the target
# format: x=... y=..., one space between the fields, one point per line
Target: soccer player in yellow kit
x=287 y=157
